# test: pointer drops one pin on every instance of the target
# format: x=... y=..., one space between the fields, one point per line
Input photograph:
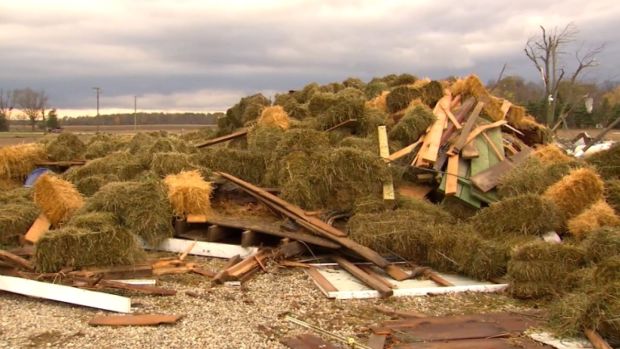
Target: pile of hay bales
x=264 y=138
x=57 y=198
x=541 y=269
x=90 y=239
x=274 y=116
x=17 y=213
x=66 y=146
x=400 y=97
x=607 y=162
x=602 y=244
x=346 y=104
x=245 y=164
x=248 y=109
x=102 y=144
x=189 y=193
x=141 y=207
x=413 y=124
x=166 y=163
x=17 y=161
x=124 y=165
x=533 y=176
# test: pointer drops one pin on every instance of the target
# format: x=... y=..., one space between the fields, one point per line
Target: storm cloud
x=204 y=55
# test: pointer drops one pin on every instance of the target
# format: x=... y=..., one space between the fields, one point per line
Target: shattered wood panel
x=208 y=249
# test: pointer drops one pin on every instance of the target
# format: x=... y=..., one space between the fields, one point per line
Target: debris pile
x=438 y=174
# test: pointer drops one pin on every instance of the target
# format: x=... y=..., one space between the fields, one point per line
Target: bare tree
x=6 y=106
x=31 y=103
x=545 y=52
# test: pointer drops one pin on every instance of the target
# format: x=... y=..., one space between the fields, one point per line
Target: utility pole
x=135 y=113
x=98 y=89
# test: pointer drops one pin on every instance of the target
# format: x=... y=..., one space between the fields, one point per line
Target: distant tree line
x=143 y=119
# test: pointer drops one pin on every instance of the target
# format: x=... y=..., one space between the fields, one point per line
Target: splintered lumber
x=432 y=141
x=460 y=117
x=40 y=226
x=364 y=277
x=438 y=279
x=202 y=248
x=116 y=272
x=489 y=178
x=414 y=190
x=597 y=341
x=349 y=122
x=384 y=152
x=220 y=275
x=248 y=264
x=505 y=107
x=480 y=129
x=270 y=228
x=311 y=223
x=133 y=320
x=452 y=118
x=65 y=294
x=397 y=273
x=403 y=152
x=465 y=131
x=452 y=175
x=15 y=260
x=225 y=138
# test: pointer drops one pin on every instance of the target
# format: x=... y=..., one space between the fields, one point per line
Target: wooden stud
x=40 y=226
x=384 y=152
x=451 y=175
x=354 y=270
x=469 y=124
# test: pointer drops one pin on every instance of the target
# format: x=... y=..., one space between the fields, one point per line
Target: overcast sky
x=203 y=55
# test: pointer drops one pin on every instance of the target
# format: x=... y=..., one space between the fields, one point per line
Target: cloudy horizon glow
x=204 y=55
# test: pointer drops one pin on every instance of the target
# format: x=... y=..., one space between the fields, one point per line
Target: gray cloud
x=180 y=53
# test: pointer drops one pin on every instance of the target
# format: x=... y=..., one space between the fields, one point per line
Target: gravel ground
x=251 y=316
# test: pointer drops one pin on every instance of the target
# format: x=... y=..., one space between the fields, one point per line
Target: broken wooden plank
x=15 y=260
x=478 y=130
x=116 y=272
x=465 y=131
x=491 y=343
x=370 y=281
x=65 y=294
x=414 y=190
x=452 y=118
x=404 y=151
x=40 y=226
x=147 y=289
x=246 y=265
x=350 y=122
x=452 y=175
x=432 y=141
x=209 y=249
x=396 y=272
x=133 y=320
x=320 y=281
x=470 y=151
x=225 y=138
x=384 y=152
x=489 y=178
x=218 y=278
x=438 y=279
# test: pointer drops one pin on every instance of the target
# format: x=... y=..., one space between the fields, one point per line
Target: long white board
x=208 y=249
x=66 y=294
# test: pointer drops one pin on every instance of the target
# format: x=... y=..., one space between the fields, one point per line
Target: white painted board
x=66 y=294
x=561 y=343
x=349 y=287
x=208 y=249
x=139 y=282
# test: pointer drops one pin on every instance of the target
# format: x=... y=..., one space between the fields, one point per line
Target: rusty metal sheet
x=133 y=320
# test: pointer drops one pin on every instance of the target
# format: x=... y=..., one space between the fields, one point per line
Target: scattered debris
x=133 y=320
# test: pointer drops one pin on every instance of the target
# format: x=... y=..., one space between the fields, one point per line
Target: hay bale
x=372 y=204
x=402 y=79
x=527 y=214
x=141 y=207
x=15 y=219
x=17 y=195
x=308 y=91
x=200 y=135
x=540 y=269
x=607 y=271
x=432 y=92
x=139 y=142
x=458 y=208
x=375 y=89
x=575 y=192
x=400 y=97
x=599 y=215
x=66 y=146
x=248 y=109
x=9 y=184
x=263 y=139
x=274 y=116
x=612 y=193
x=607 y=162
x=347 y=104
x=99 y=149
x=57 y=198
x=379 y=102
x=551 y=153
x=602 y=244
x=245 y=164
x=532 y=176
x=92 y=239
x=163 y=164
x=367 y=144
x=413 y=125
x=17 y=161
x=473 y=86
x=188 y=193
x=371 y=119
x=88 y=186
x=122 y=164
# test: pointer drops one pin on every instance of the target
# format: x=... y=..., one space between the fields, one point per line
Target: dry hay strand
x=17 y=161
x=15 y=219
x=379 y=102
x=607 y=271
x=92 y=239
x=274 y=116
x=599 y=215
x=607 y=162
x=472 y=86
x=602 y=244
x=57 y=198
x=263 y=139
x=515 y=116
x=612 y=193
x=540 y=269
x=551 y=153
x=420 y=83
x=141 y=207
x=66 y=146
x=407 y=233
x=88 y=186
x=532 y=176
x=189 y=193
x=575 y=192
x=400 y=97
x=17 y=195
x=432 y=92
x=245 y=164
x=375 y=89
x=527 y=214
x=121 y=164
x=167 y=163
x=414 y=124
x=533 y=132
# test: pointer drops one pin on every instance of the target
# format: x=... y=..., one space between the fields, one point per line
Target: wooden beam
x=452 y=118
x=250 y=262
x=597 y=341
x=470 y=151
x=489 y=178
x=469 y=124
x=133 y=320
x=384 y=152
x=361 y=275
x=478 y=130
x=349 y=122
x=432 y=141
x=40 y=226
x=404 y=151
x=225 y=138
x=451 y=175
x=65 y=294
